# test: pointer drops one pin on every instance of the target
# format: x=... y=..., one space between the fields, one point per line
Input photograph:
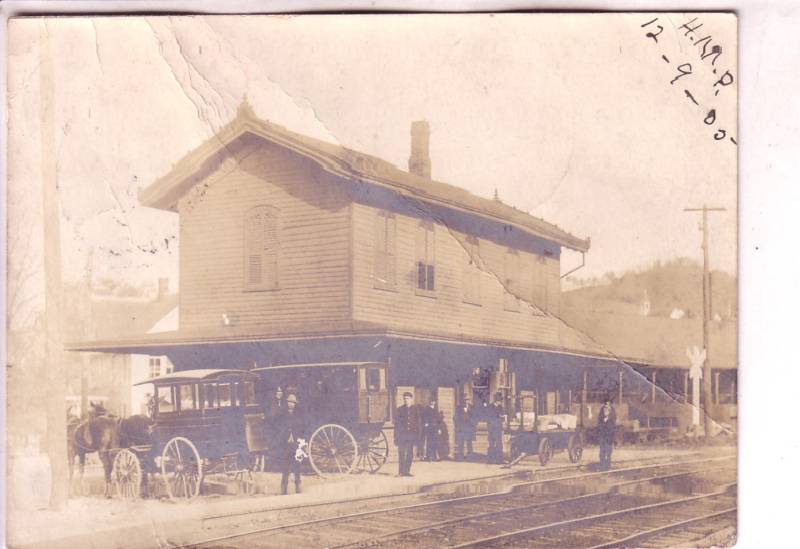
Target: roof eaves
x=342 y=162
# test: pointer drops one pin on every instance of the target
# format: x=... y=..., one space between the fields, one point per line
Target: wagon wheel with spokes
x=332 y=450
x=126 y=474
x=545 y=450
x=181 y=468
x=373 y=451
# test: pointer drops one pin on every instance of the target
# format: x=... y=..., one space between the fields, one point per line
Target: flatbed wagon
x=544 y=442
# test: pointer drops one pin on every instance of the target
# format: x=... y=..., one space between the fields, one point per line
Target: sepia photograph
x=372 y=280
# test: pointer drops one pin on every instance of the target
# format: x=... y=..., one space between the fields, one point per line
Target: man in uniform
x=495 y=427
x=407 y=432
x=431 y=431
x=464 y=423
x=606 y=426
x=290 y=434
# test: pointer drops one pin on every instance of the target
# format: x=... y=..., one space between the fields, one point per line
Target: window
x=261 y=248
x=472 y=271
x=209 y=396
x=511 y=280
x=187 y=397
x=539 y=296
x=426 y=258
x=155 y=367
x=224 y=392
x=385 y=254
x=249 y=396
x=165 y=397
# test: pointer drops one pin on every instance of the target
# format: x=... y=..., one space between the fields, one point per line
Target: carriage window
x=187 y=396
x=225 y=400
x=374 y=379
x=166 y=400
x=209 y=396
x=249 y=393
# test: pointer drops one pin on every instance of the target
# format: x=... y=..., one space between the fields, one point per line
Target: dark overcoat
x=606 y=426
x=407 y=425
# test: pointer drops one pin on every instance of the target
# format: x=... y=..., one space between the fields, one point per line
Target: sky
x=572 y=118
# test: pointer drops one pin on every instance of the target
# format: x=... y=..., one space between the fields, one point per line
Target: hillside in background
x=667 y=286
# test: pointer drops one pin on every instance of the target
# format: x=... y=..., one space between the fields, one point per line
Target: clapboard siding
x=447 y=312
x=313 y=254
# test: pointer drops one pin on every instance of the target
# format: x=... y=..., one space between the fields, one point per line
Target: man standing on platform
x=431 y=430
x=464 y=423
x=495 y=427
x=290 y=437
x=606 y=426
x=407 y=432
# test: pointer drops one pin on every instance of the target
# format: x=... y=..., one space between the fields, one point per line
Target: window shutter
x=385 y=264
x=261 y=242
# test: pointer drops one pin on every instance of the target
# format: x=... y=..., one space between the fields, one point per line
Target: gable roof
x=341 y=161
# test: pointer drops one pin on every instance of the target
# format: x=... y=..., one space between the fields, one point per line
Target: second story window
x=155 y=367
x=511 y=280
x=426 y=256
x=385 y=251
x=261 y=241
x=472 y=271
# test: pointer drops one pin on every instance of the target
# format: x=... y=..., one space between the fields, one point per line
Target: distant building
x=106 y=378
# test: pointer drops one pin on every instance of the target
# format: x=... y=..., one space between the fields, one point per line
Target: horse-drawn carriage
x=205 y=422
x=217 y=422
x=346 y=405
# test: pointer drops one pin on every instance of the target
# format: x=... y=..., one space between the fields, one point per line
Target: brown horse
x=105 y=434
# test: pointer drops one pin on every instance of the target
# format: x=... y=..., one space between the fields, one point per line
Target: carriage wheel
x=575 y=448
x=545 y=451
x=126 y=474
x=181 y=468
x=373 y=451
x=332 y=450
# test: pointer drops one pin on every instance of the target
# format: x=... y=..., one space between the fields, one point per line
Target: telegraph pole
x=56 y=382
x=706 y=315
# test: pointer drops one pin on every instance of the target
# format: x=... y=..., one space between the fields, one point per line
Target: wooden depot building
x=298 y=251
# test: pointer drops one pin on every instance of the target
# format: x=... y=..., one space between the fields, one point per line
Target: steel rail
x=514 y=509
x=463 y=499
x=493 y=477
x=660 y=530
x=589 y=519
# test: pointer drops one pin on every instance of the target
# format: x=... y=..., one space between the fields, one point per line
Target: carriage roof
x=322 y=365
x=200 y=375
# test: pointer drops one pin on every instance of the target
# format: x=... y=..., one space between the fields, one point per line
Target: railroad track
x=610 y=529
x=454 y=521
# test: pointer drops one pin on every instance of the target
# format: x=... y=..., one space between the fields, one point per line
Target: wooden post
x=653 y=387
x=716 y=387
x=584 y=389
x=686 y=386
x=55 y=385
x=621 y=374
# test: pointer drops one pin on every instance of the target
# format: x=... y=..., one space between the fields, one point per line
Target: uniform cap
x=407 y=394
x=291 y=398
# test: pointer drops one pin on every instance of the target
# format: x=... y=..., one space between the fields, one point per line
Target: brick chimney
x=419 y=163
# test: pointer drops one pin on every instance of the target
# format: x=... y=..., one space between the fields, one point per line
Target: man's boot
x=297 y=487
x=284 y=487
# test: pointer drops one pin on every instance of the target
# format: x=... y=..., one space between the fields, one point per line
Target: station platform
x=98 y=522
